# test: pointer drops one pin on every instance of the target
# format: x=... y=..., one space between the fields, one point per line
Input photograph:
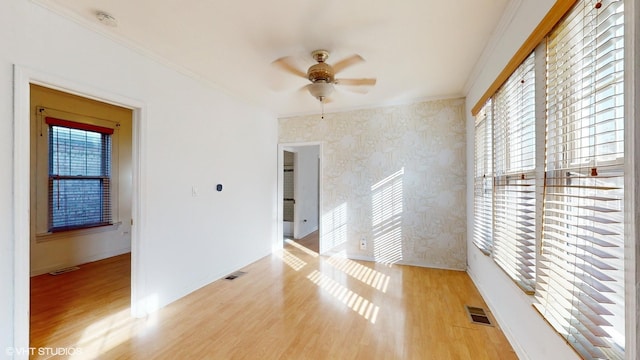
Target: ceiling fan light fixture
x=320 y=90
x=322 y=75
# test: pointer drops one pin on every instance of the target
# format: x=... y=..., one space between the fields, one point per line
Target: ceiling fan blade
x=286 y=63
x=304 y=88
x=355 y=82
x=344 y=63
x=355 y=89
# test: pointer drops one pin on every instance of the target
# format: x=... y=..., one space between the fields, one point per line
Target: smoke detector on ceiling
x=106 y=19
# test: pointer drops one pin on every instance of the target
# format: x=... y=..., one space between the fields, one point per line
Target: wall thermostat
x=219 y=187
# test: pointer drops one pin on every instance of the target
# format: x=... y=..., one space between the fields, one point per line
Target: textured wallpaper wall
x=393 y=176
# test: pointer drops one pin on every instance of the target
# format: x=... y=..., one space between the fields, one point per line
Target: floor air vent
x=65 y=270
x=478 y=315
x=234 y=275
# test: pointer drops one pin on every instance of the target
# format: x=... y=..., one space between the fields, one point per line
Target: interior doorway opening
x=23 y=79
x=81 y=213
x=300 y=192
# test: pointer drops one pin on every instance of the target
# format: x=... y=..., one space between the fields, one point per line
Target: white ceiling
x=417 y=49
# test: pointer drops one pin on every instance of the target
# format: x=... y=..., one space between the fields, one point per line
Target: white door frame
x=23 y=77
x=289 y=147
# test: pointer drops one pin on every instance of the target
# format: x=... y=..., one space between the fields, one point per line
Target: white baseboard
x=406 y=263
x=80 y=261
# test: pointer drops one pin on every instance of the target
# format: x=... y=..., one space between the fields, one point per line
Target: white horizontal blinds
x=581 y=287
x=514 y=171
x=483 y=180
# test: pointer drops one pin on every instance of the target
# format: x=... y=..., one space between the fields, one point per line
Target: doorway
x=80 y=208
x=23 y=79
x=300 y=189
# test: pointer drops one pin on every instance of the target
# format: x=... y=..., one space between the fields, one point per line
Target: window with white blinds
x=483 y=180
x=514 y=120
x=580 y=288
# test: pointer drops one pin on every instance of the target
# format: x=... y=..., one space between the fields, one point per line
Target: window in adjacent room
x=79 y=185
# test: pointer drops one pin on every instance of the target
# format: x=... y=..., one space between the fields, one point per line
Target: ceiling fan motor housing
x=321 y=72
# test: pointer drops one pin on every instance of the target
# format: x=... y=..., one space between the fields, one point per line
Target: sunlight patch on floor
x=105 y=334
x=300 y=247
x=355 y=302
x=369 y=276
x=291 y=260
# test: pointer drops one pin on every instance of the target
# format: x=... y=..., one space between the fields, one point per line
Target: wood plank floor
x=291 y=305
x=311 y=241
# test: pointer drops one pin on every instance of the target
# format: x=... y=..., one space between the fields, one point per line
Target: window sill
x=44 y=237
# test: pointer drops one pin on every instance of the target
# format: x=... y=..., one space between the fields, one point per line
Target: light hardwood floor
x=291 y=305
x=311 y=241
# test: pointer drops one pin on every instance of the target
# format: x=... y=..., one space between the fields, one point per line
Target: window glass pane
x=483 y=180
x=580 y=289
x=79 y=178
x=514 y=216
x=76 y=152
x=77 y=202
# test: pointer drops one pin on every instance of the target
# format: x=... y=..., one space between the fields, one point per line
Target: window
x=574 y=262
x=79 y=187
x=514 y=176
x=581 y=282
x=483 y=181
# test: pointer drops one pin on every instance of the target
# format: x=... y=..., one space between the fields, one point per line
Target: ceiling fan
x=322 y=75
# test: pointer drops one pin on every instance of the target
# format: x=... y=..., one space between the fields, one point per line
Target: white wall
x=186 y=132
x=306 y=172
x=529 y=334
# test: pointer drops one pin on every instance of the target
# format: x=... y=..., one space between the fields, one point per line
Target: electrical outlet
x=363 y=244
